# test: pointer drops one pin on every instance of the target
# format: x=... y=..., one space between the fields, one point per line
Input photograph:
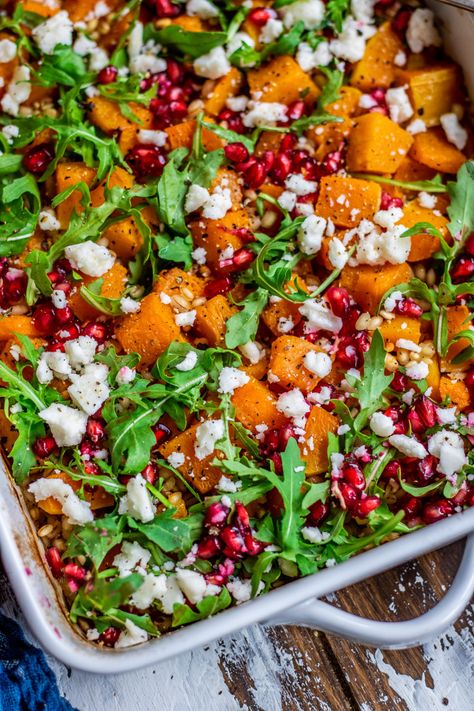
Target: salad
x=236 y=279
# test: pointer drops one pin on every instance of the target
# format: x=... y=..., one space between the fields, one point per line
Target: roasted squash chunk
x=282 y=81
x=377 y=145
x=347 y=201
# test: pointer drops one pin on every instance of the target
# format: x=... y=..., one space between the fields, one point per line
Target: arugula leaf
x=419 y=490
x=29 y=427
x=170 y=534
x=172 y=188
x=242 y=326
x=435 y=185
x=332 y=88
x=92 y=295
x=336 y=12
x=20 y=207
x=191 y=44
x=115 y=362
x=209 y=605
x=229 y=136
x=63 y=66
x=176 y=249
x=460 y=209
x=94 y=540
x=369 y=389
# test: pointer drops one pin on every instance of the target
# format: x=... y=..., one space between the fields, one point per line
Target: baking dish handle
x=389 y=635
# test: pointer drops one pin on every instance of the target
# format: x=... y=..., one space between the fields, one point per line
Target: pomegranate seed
x=107 y=75
x=240 y=260
x=236 y=152
x=391 y=470
x=178 y=110
x=216 y=514
x=378 y=95
x=469 y=380
x=349 y=494
x=461 y=497
x=53 y=556
x=165 y=8
x=415 y=421
x=400 y=382
x=175 y=71
x=339 y=300
x=274 y=503
x=349 y=321
x=64 y=316
x=332 y=162
x=161 y=432
x=149 y=473
x=255 y=175
x=426 y=411
x=437 y=510
x=233 y=541
x=311 y=171
x=14 y=285
x=288 y=142
x=469 y=246
x=43 y=447
x=44 y=319
x=281 y=167
x=109 y=636
x=56 y=347
x=95 y=330
x=67 y=333
x=296 y=110
x=259 y=16
x=317 y=513
x=408 y=307
x=463 y=269
x=412 y=507
x=364 y=507
x=401 y=20
x=95 y=431
x=146 y=161
x=86 y=449
x=38 y=158
x=91 y=468
x=209 y=547
x=347 y=353
x=387 y=201
x=275 y=457
x=427 y=468
x=284 y=435
x=353 y=475
x=224 y=569
x=218 y=286
x=77 y=572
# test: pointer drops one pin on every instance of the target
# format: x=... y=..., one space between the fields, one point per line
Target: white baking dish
x=294 y=603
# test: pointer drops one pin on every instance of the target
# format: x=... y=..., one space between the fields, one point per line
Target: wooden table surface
x=297 y=669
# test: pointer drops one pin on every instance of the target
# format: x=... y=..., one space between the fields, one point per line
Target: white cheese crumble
x=176 y=459
x=55 y=30
x=81 y=351
x=130 y=636
x=421 y=31
x=311 y=12
x=230 y=379
x=152 y=588
x=293 y=404
x=202 y=8
x=408 y=446
x=7 y=51
x=47 y=221
x=18 y=91
x=67 y=425
x=90 y=390
x=310 y=59
x=299 y=185
x=212 y=65
x=337 y=253
x=271 y=30
x=192 y=584
x=408 y=345
x=90 y=258
x=253 y=351
x=77 y=511
x=417 y=371
x=381 y=425
x=264 y=113
x=427 y=200
x=196 y=197
x=207 y=435
x=312 y=534
x=218 y=204
x=155 y=138
x=399 y=104
x=125 y=375
x=188 y=363
x=455 y=133
x=448 y=447
x=131 y=556
x=320 y=316
x=186 y=318
x=318 y=363
x=310 y=234
x=416 y=126
x=137 y=501
x=227 y=485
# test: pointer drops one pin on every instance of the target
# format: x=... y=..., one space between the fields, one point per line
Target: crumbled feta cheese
x=196 y=197
x=227 y=485
x=218 y=204
x=58 y=363
x=350 y=43
x=311 y=12
x=417 y=371
x=207 y=435
x=67 y=424
x=48 y=221
x=421 y=31
x=287 y=200
x=237 y=103
x=400 y=58
x=241 y=590
x=77 y=511
x=131 y=556
x=310 y=59
x=312 y=534
x=212 y=65
x=137 y=501
x=293 y=404
x=186 y=318
x=381 y=425
x=230 y=379
x=55 y=30
x=416 y=126
x=90 y=258
x=176 y=459
x=271 y=31
x=239 y=40
x=285 y=325
x=202 y=8
x=310 y=234
x=322 y=397
x=366 y=101
x=408 y=345
x=84 y=46
x=253 y=351
x=446 y=415
x=199 y=255
x=408 y=446
x=7 y=51
x=192 y=584
x=18 y=91
x=388 y=218
x=455 y=133
x=318 y=363
x=264 y=113
x=337 y=254
x=58 y=297
x=448 y=447
x=153 y=588
x=129 y=305
x=125 y=375
x=188 y=362
x=90 y=390
x=399 y=104
x=155 y=138
x=10 y=132
x=392 y=300
x=143 y=58
x=131 y=636
x=376 y=248
x=427 y=200
x=164 y=298
x=320 y=317
x=81 y=351
x=299 y=185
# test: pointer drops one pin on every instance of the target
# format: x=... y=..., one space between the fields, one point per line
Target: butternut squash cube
x=377 y=67
x=225 y=87
x=211 y=319
x=216 y=235
x=377 y=145
x=433 y=377
x=432 y=149
x=329 y=137
x=410 y=170
x=314 y=450
x=150 y=331
x=456 y=391
x=201 y=474
x=255 y=405
x=124 y=238
x=423 y=245
x=275 y=311
x=177 y=282
x=347 y=104
x=16 y=323
x=119 y=178
x=283 y=81
x=401 y=327
x=107 y=116
x=432 y=90
x=368 y=284
x=347 y=201
x=181 y=135
x=287 y=363
x=98 y=498
x=112 y=287
x=458 y=319
x=68 y=174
